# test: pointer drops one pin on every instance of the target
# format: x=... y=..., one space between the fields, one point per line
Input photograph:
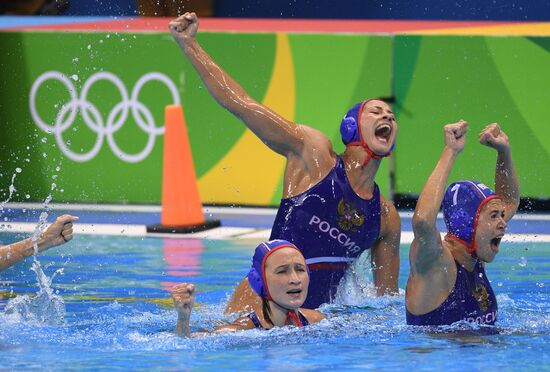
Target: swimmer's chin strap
x=471 y=248
x=370 y=153
x=292 y=317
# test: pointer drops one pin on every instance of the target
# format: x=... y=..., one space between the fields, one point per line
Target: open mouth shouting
x=383 y=132
x=495 y=242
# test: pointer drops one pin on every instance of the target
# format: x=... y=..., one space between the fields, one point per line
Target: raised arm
x=426 y=247
x=506 y=181
x=184 y=298
x=57 y=233
x=281 y=135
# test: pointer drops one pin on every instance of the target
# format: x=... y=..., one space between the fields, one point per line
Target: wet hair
x=266 y=311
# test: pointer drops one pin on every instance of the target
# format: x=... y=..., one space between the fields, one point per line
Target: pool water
x=119 y=315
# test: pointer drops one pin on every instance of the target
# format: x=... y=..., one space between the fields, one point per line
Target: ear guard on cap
x=349 y=127
x=256 y=282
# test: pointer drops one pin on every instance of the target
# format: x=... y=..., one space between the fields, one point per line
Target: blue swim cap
x=256 y=275
x=462 y=204
x=349 y=127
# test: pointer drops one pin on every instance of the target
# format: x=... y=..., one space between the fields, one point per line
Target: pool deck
x=236 y=222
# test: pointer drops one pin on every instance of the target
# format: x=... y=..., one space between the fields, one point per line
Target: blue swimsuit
x=472 y=299
x=332 y=226
x=254 y=318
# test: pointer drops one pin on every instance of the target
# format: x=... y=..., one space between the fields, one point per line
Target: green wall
x=435 y=80
x=442 y=79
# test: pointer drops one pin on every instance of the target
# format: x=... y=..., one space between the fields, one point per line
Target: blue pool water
x=118 y=315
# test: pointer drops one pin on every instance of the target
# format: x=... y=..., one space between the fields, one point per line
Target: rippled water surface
x=118 y=315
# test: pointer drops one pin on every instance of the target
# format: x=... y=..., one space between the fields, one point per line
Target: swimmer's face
x=287 y=278
x=490 y=230
x=378 y=126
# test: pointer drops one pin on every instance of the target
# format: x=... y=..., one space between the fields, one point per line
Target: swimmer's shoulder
x=312 y=316
x=241 y=324
x=316 y=156
x=315 y=138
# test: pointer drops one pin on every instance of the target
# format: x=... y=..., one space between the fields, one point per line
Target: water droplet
x=44 y=139
x=18 y=170
x=58 y=168
x=75 y=59
x=74 y=77
x=44 y=155
x=27 y=196
x=89 y=46
x=522 y=262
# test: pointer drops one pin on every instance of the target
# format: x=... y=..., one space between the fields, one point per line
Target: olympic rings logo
x=95 y=121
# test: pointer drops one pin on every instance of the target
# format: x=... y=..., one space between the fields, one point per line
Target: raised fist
x=184 y=298
x=184 y=27
x=455 y=135
x=493 y=136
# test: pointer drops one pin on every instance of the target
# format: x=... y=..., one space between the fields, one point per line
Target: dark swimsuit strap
x=293 y=318
x=254 y=318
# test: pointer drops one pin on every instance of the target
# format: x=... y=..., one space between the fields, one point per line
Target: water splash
x=12 y=189
x=46 y=306
x=356 y=286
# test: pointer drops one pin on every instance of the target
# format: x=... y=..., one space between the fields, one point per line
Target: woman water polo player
x=332 y=208
x=280 y=277
x=447 y=281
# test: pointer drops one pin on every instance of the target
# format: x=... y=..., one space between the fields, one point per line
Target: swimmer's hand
x=184 y=298
x=184 y=27
x=455 y=135
x=492 y=136
x=59 y=232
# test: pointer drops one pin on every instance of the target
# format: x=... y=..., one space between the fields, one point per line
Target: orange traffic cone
x=181 y=204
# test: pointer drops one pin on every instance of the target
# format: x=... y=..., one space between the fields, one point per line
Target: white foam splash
x=46 y=306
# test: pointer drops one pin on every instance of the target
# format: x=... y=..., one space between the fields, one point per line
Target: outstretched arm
x=427 y=247
x=506 y=181
x=57 y=233
x=279 y=134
